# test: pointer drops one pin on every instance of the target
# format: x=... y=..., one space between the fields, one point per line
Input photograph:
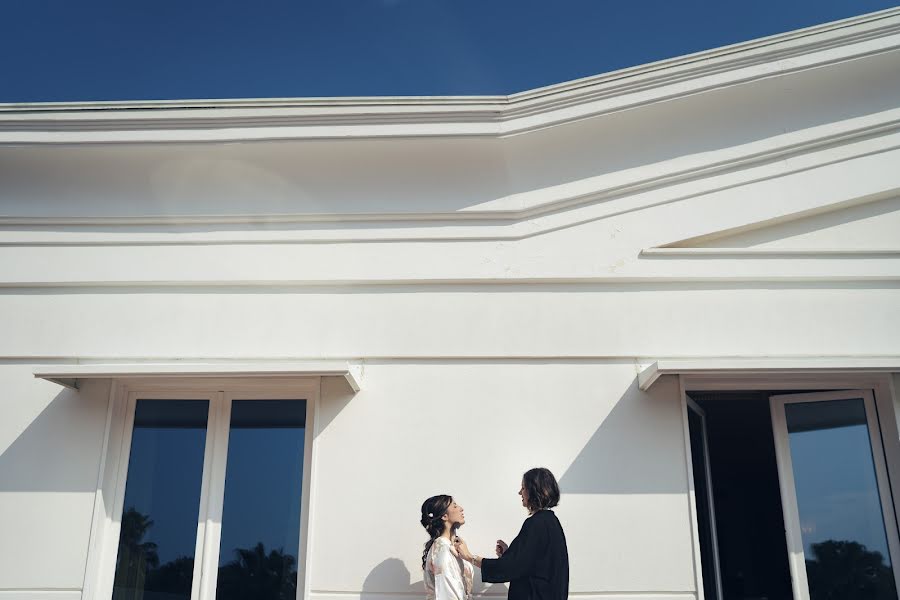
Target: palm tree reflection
x=254 y=573
x=136 y=558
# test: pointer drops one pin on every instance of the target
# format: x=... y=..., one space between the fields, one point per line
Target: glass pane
x=155 y=560
x=258 y=555
x=841 y=521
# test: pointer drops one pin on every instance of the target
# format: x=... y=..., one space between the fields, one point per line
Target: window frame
x=789 y=503
x=886 y=401
x=113 y=470
x=690 y=404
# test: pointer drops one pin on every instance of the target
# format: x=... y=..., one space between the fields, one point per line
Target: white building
x=460 y=289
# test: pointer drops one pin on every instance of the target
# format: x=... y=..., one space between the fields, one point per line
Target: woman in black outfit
x=536 y=563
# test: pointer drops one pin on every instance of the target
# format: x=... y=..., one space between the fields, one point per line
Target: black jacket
x=536 y=565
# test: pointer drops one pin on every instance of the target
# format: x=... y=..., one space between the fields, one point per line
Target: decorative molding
x=807 y=150
x=40 y=594
x=495 y=116
x=826 y=272
x=665 y=252
x=859 y=28
x=801 y=280
x=64 y=364
x=691 y=248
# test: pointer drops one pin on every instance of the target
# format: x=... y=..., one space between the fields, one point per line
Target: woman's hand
x=501 y=548
x=463 y=549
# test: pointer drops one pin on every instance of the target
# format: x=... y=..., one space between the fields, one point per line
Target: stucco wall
x=503 y=321
x=50 y=445
x=470 y=429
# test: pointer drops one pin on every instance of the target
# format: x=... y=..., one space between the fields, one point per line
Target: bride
x=447 y=575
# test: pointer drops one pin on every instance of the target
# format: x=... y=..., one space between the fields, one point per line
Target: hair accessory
x=431 y=515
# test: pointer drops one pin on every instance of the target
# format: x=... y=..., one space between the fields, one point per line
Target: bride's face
x=456 y=514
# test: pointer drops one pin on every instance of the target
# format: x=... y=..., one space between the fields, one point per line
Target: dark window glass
x=841 y=521
x=258 y=555
x=155 y=559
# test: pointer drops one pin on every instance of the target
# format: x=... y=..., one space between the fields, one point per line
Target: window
x=840 y=512
x=800 y=485
x=210 y=500
x=259 y=547
x=157 y=538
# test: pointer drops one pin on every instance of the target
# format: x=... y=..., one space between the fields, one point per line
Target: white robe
x=447 y=576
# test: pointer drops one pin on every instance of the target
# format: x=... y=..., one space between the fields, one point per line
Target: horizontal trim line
x=314 y=283
x=40 y=593
x=646 y=359
x=639 y=362
x=69 y=361
x=3 y=590
x=771 y=252
x=483 y=288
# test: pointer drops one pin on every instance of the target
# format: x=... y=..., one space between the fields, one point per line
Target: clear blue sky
x=68 y=50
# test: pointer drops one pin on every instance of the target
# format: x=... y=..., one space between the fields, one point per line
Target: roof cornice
x=494 y=116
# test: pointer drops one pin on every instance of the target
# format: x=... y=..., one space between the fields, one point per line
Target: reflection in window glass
x=260 y=543
x=841 y=521
x=155 y=559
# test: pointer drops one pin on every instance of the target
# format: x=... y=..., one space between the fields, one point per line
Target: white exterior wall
x=51 y=440
x=509 y=288
x=575 y=419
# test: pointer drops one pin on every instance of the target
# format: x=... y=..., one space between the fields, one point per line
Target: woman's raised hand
x=462 y=548
x=501 y=548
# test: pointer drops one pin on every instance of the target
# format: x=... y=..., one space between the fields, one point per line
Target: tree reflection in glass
x=155 y=559
x=260 y=542
x=841 y=521
x=848 y=571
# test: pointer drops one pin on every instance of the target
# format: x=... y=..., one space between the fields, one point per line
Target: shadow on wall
x=638 y=448
x=336 y=395
x=392 y=574
x=288 y=177
x=59 y=449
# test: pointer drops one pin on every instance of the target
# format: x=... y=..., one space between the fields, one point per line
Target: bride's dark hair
x=432 y=510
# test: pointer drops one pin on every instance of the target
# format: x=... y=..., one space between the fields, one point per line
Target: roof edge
x=460 y=115
x=719 y=53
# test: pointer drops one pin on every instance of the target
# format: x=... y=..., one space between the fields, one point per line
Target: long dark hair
x=541 y=487
x=432 y=510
